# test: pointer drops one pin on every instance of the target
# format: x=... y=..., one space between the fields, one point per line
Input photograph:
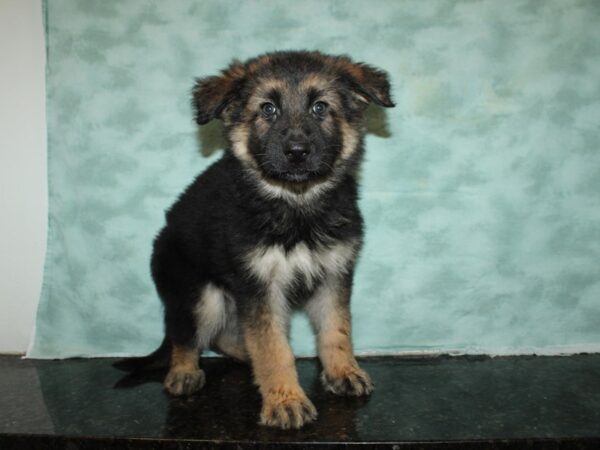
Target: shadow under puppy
x=272 y=226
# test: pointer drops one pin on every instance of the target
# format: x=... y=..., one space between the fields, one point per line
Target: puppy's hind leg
x=178 y=286
x=211 y=315
x=185 y=376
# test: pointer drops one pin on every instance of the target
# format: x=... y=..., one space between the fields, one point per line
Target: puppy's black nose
x=297 y=151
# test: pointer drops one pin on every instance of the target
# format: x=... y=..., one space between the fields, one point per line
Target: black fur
x=218 y=219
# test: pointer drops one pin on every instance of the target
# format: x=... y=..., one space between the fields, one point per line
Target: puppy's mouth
x=300 y=175
x=297 y=175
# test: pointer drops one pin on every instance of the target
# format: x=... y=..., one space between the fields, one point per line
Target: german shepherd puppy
x=271 y=227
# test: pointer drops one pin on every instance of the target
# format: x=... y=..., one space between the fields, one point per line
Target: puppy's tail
x=158 y=359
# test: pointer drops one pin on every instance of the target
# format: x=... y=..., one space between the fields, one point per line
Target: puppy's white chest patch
x=275 y=267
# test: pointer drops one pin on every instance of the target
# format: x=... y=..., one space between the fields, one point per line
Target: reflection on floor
x=461 y=402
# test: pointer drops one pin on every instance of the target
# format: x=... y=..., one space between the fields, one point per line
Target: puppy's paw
x=180 y=382
x=352 y=381
x=287 y=410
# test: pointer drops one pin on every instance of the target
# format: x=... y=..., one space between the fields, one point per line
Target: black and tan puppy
x=272 y=226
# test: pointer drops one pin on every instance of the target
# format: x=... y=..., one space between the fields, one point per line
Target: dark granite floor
x=458 y=402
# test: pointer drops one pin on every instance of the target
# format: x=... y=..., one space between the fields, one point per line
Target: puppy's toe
x=184 y=383
x=289 y=413
x=351 y=382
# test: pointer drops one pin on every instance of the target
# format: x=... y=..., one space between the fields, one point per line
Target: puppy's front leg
x=329 y=312
x=285 y=404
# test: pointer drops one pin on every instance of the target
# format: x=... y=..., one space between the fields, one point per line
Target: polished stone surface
x=535 y=402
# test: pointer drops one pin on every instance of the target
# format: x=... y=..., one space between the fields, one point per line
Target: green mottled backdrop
x=481 y=189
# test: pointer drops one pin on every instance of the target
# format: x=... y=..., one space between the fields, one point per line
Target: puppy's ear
x=212 y=95
x=368 y=83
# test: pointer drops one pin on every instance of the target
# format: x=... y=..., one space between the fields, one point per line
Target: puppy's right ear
x=212 y=95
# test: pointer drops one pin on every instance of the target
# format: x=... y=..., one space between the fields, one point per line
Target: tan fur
x=330 y=315
x=261 y=93
x=350 y=140
x=284 y=402
x=184 y=359
x=323 y=83
x=295 y=193
x=272 y=357
x=184 y=377
x=239 y=144
x=266 y=85
x=334 y=342
x=314 y=80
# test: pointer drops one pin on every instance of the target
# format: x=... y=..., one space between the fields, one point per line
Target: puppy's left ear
x=212 y=95
x=369 y=84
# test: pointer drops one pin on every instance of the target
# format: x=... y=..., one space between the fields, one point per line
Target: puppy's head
x=293 y=117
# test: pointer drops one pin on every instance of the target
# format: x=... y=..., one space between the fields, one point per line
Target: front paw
x=180 y=382
x=352 y=381
x=287 y=410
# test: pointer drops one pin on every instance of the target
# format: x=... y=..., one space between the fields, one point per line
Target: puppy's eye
x=319 y=108
x=268 y=109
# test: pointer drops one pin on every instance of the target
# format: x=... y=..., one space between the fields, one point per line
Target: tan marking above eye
x=314 y=80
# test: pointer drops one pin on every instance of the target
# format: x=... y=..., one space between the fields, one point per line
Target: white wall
x=23 y=195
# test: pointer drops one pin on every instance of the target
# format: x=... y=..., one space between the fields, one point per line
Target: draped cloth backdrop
x=480 y=190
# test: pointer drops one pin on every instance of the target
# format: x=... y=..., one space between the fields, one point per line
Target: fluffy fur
x=272 y=226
